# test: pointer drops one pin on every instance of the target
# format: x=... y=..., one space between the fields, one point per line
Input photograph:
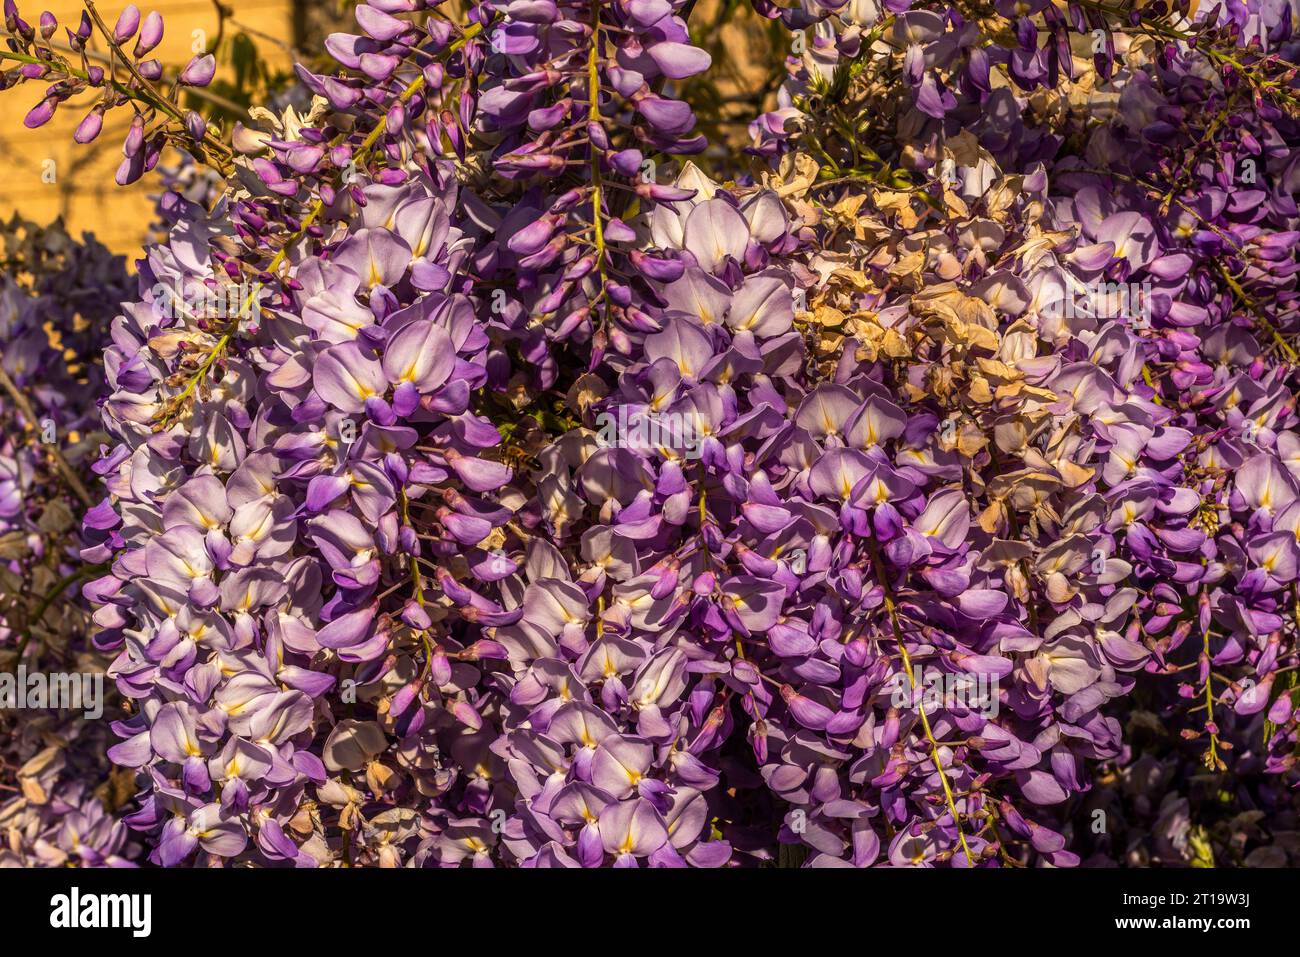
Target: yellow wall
x=84 y=191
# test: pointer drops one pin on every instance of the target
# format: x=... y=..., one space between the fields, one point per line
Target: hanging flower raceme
x=273 y=500
x=1197 y=221
x=488 y=488
x=579 y=121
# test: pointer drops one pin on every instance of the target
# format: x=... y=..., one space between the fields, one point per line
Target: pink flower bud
x=134 y=137
x=40 y=114
x=89 y=127
x=195 y=125
x=127 y=24
x=151 y=34
x=200 y=71
x=130 y=170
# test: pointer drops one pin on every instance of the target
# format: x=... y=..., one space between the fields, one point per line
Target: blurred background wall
x=254 y=39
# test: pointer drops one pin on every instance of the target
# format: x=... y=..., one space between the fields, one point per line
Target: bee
x=519 y=458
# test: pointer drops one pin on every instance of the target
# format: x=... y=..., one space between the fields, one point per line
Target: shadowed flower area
x=58 y=791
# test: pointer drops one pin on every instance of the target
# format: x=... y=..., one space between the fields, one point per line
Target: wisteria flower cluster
x=488 y=485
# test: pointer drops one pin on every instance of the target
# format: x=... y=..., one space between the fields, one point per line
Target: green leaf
x=13 y=546
x=1202 y=851
x=791 y=855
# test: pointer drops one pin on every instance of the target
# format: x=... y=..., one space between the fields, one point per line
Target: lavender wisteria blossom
x=1147 y=438
x=488 y=483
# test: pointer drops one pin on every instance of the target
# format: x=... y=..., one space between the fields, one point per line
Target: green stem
x=145 y=95
x=29 y=414
x=883 y=576
x=593 y=116
x=59 y=588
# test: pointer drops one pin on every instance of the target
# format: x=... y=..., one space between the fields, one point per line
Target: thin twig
x=883 y=576
x=29 y=413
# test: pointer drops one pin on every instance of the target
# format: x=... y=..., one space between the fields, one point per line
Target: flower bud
x=151 y=34
x=127 y=23
x=199 y=71
x=195 y=125
x=40 y=114
x=89 y=127
x=134 y=137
